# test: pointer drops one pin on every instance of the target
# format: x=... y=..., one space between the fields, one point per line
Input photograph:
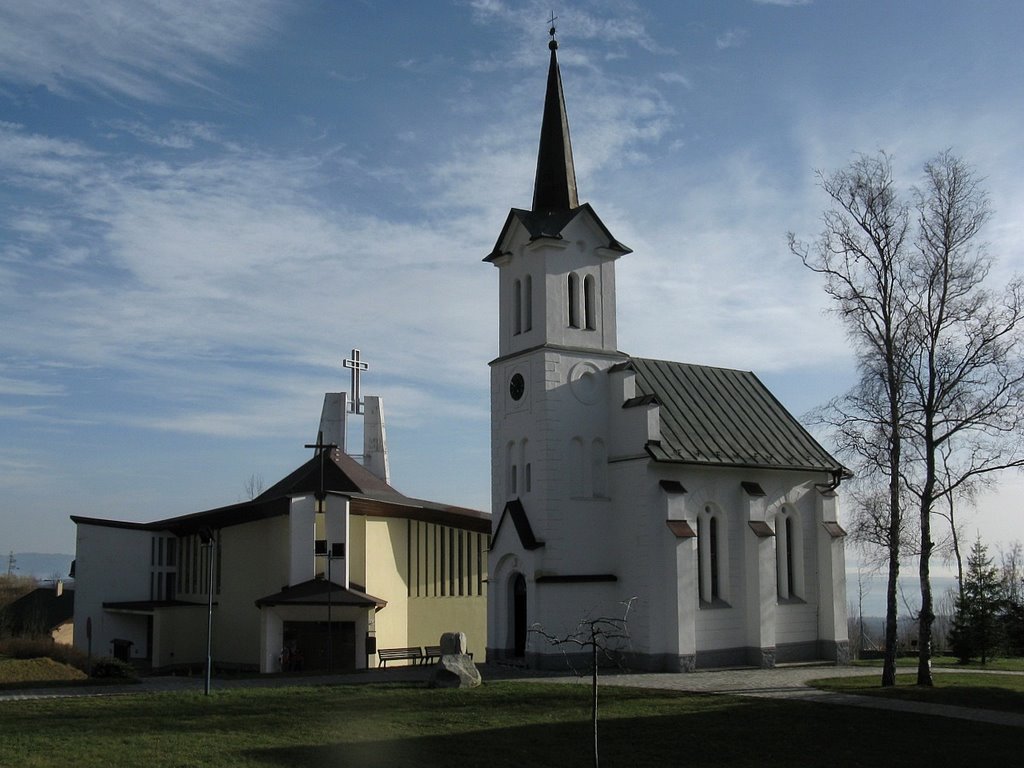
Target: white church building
x=686 y=488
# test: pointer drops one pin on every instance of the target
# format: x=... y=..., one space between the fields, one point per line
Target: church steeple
x=554 y=188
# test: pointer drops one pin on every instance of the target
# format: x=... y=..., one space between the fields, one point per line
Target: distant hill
x=42 y=567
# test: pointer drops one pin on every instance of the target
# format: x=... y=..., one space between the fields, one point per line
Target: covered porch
x=317 y=625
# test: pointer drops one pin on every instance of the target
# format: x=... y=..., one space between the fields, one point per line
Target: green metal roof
x=724 y=417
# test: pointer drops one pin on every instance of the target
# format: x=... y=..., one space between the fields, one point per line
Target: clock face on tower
x=516 y=386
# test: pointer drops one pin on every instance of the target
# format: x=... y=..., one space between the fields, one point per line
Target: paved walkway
x=784 y=682
x=790 y=682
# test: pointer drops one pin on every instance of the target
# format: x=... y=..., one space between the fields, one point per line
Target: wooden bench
x=398 y=654
x=432 y=653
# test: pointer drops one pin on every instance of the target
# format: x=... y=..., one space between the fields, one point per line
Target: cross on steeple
x=357 y=366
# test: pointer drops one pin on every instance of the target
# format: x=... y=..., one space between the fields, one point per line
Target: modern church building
x=320 y=571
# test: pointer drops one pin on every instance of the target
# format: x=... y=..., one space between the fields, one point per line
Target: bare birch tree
x=861 y=254
x=938 y=407
x=965 y=393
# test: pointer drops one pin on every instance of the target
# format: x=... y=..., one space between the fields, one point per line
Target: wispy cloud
x=784 y=2
x=732 y=38
x=128 y=48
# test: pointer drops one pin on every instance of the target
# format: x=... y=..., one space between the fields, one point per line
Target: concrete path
x=784 y=682
x=790 y=682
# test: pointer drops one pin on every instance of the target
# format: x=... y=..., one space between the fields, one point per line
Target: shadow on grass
x=950 y=689
x=746 y=733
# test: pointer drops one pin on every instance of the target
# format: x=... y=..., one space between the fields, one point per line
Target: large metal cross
x=357 y=366
x=321 y=449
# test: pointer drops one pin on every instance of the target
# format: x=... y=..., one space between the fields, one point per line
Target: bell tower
x=549 y=414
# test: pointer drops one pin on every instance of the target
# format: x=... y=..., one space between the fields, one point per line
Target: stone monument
x=455 y=668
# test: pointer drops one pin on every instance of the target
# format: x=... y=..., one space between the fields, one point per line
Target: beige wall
x=179 y=636
x=418 y=619
x=256 y=559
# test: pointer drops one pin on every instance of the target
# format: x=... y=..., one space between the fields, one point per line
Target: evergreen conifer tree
x=976 y=626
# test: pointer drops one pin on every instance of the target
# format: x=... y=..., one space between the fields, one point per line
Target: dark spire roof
x=554 y=188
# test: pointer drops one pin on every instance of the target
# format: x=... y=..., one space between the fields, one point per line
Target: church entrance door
x=519 y=615
x=306 y=642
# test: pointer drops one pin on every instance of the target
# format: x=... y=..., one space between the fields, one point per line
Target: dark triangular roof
x=515 y=510
x=724 y=417
x=541 y=225
x=554 y=188
x=342 y=475
x=316 y=591
x=38 y=612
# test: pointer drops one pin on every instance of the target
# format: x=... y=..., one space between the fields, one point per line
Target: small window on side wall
x=712 y=562
x=789 y=556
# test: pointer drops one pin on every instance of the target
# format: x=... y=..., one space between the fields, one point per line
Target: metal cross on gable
x=321 y=450
x=357 y=366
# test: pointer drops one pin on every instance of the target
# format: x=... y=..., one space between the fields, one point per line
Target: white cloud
x=22 y=388
x=732 y=38
x=133 y=48
x=675 y=78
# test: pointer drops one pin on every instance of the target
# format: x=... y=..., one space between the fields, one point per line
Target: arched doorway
x=519 y=615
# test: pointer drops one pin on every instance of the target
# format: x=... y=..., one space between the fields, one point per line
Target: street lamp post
x=206 y=535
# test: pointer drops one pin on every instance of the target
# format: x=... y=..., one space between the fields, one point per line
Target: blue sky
x=205 y=206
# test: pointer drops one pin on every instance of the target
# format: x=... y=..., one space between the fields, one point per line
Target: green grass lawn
x=1015 y=664
x=499 y=724
x=1000 y=692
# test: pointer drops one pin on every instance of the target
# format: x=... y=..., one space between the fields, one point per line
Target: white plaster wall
x=111 y=565
x=301 y=532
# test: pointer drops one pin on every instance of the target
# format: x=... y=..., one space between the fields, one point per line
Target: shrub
x=109 y=667
x=43 y=648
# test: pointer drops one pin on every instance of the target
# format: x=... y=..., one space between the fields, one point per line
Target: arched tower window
x=573 y=303
x=589 y=303
x=527 y=303
x=524 y=462
x=517 y=307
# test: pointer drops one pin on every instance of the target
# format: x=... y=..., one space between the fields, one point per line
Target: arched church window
x=574 y=300
x=517 y=308
x=712 y=561
x=589 y=303
x=789 y=568
x=527 y=303
x=598 y=468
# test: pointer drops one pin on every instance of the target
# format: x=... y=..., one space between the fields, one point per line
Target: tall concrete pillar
x=832 y=630
x=332 y=418
x=375 y=442
x=761 y=597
